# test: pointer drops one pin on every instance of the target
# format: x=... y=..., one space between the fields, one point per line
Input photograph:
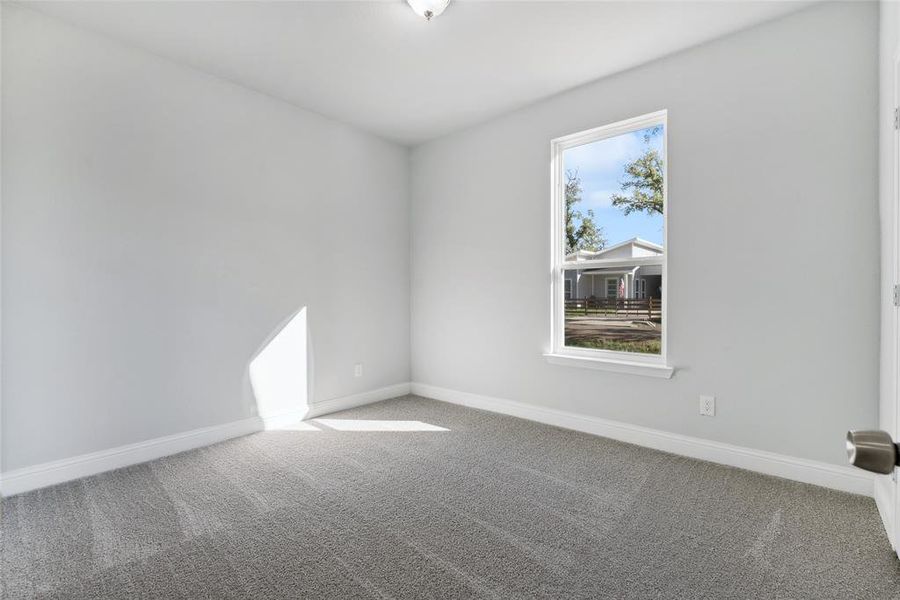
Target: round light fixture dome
x=428 y=9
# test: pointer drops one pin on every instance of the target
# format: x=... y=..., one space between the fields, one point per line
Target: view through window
x=611 y=201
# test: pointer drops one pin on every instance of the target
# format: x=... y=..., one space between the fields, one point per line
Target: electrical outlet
x=708 y=406
x=357 y=370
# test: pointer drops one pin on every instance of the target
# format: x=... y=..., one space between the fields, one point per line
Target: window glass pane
x=614 y=197
x=614 y=320
x=614 y=210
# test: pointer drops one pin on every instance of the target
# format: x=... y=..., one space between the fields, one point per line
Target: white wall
x=772 y=182
x=158 y=224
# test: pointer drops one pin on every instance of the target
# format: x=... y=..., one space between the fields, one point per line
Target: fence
x=650 y=308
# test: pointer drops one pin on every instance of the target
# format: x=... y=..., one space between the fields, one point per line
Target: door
x=640 y=288
x=876 y=450
x=886 y=490
x=889 y=411
x=612 y=287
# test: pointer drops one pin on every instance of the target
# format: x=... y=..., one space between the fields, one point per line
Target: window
x=609 y=218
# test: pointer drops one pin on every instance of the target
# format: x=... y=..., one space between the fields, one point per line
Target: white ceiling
x=380 y=67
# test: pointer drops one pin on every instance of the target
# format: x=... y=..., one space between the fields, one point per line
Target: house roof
x=635 y=241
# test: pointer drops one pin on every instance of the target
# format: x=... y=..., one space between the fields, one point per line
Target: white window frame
x=623 y=362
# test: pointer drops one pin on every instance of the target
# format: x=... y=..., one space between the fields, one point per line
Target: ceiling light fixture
x=428 y=8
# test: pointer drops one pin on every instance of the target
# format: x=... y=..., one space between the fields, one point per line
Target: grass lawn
x=643 y=346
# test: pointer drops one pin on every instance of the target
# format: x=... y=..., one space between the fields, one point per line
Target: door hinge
x=896 y=295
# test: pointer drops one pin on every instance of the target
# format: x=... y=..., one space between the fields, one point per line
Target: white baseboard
x=846 y=479
x=798 y=469
x=59 y=471
x=317 y=409
x=884 y=500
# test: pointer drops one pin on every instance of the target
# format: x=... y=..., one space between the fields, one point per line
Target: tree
x=590 y=236
x=586 y=235
x=644 y=178
x=652 y=132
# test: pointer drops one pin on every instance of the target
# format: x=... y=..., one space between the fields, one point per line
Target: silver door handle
x=872 y=450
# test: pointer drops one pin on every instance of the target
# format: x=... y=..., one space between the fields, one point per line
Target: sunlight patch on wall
x=279 y=373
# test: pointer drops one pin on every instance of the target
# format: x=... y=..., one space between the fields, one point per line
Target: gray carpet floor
x=489 y=507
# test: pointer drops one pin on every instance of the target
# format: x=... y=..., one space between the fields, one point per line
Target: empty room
x=406 y=299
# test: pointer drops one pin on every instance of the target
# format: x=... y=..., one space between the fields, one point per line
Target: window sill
x=616 y=366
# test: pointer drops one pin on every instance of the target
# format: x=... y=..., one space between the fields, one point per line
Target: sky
x=601 y=166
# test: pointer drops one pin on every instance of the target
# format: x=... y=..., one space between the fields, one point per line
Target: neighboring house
x=615 y=282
